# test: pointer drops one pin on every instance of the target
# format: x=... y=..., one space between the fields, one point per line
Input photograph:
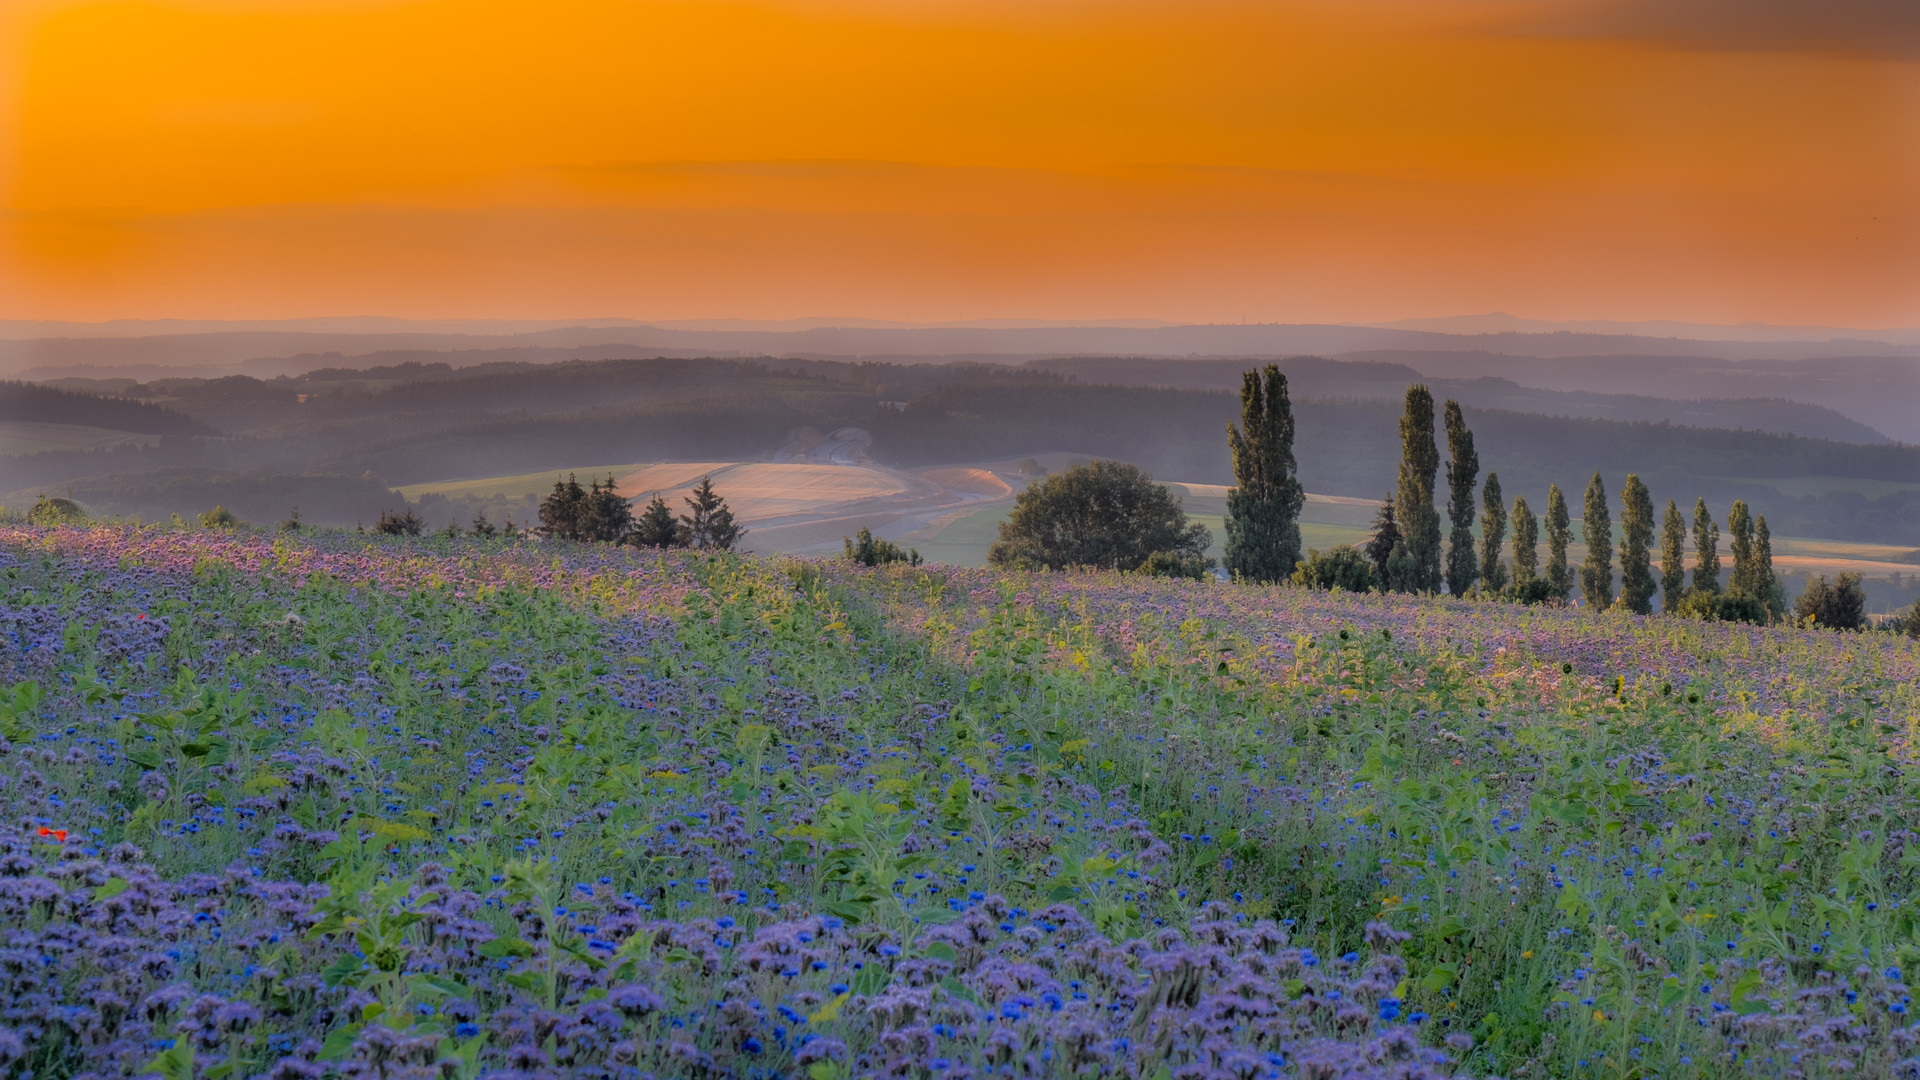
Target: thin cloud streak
x=1866 y=29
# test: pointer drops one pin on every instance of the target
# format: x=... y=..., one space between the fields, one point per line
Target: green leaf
x=956 y=989
x=339 y=1042
x=1671 y=992
x=940 y=950
x=936 y=916
x=114 y=887
x=174 y=1063
x=501 y=948
x=1441 y=977
x=871 y=980
x=344 y=971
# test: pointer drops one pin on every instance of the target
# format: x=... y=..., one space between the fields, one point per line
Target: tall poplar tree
x=1740 y=540
x=1673 y=559
x=1414 y=565
x=1493 y=535
x=1463 y=468
x=1596 y=528
x=1526 y=540
x=1263 y=508
x=1559 y=531
x=1636 y=546
x=1706 y=549
x=1766 y=585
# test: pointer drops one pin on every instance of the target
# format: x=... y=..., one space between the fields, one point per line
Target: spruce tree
x=1706 y=550
x=1386 y=533
x=1740 y=540
x=1263 y=507
x=1596 y=528
x=1493 y=535
x=1526 y=542
x=1673 y=559
x=1463 y=468
x=1414 y=565
x=563 y=513
x=710 y=525
x=607 y=515
x=656 y=527
x=1636 y=546
x=1559 y=531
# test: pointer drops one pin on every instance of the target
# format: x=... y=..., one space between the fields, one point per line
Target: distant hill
x=45 y=405
x=416 y=422
x=1387 y=375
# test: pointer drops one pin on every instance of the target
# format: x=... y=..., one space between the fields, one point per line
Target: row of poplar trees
x=1407 y=553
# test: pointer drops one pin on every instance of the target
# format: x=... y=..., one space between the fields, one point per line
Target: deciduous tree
x=1493 y=535
x=1263 y=507
x=1414 y=565
x=1596 y=528
x=1107 y=514
x=1463 y=469
x=1636 y=546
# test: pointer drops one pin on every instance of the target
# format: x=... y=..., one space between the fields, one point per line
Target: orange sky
x=1295 y=160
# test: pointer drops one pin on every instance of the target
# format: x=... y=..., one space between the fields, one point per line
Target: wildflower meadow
x=306 y=805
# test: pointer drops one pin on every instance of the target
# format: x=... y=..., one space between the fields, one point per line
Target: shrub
x=1841 y=605
x=1107 y=514
x=1345 y=568
x=1724 y=607
x=219 y=518
x=869 y=550
x=1176 y=565
x=56 y=511
x=1534 y=590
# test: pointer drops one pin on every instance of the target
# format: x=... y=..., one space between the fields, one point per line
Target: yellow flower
x=1599 y=1016
x=1528 y=955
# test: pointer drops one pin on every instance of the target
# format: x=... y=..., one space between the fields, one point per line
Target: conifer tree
x=1596 y=528
x=1263 y=507
x=1414 y=565
x=1463 y=468
x=1386 y=533
x=1493 y=535
x=607 y=515
x=1706 y=549
x=1559 y=531
x=1740 y=540
x=1526 y=541
x=656 y=527
x=710 y=525
x=563 y=512
x=1636 y=546
x=1673 y=559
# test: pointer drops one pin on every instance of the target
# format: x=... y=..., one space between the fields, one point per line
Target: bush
x=1534 y=590
x=1724 y=607
x=868 y=550
x=219 y=518
x=1841 y=605
x=1175 y=565
x=56 y=511
x=1909 y=624
x=1345 y=568
x=1107 y=514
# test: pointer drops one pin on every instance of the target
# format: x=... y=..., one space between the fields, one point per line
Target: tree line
x=1406 y=552
x=1111 y=515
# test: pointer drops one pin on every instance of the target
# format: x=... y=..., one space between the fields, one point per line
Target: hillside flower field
x=300 y=806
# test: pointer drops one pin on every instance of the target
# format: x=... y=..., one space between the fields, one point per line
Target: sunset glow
x=1309 y=160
